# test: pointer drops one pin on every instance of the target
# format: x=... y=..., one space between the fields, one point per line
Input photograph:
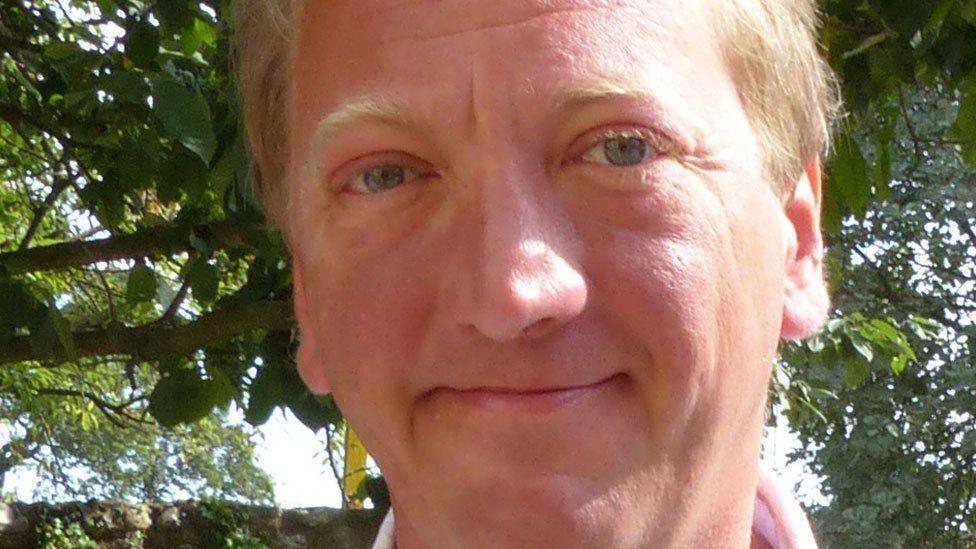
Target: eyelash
x=413 y=171
x=357 y=169
x=653 y=141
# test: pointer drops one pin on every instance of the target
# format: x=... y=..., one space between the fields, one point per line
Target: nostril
x=540 y=327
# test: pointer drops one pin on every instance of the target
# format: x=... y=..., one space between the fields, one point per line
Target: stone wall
x=186 y=525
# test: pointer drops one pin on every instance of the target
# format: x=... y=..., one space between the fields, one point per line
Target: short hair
x=788 y=92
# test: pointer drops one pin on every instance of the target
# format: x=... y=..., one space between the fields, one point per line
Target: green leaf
x=227 y=167
x=965 y=126
x=16 y=306
x=968 y=12
x=63 y=331
x=49 y=330
x=141 y=285
x=204 y=280
x=75 y=99
x=265 y=393
x=136 y=165
x=171 y=364
x=198 y=34
x=849 y=175
x=141 y=42
x=856 y=372
x=43 y=335
x=184 y=113
x=314 y=411
x=863 y=348
x=882 y=164
x=59 y=51
x=174 y=14
x=898 y=363
x=184 y=397
x=815 y=344
x=127 y=86
x=182 y=172
x=906 y=16
x=833 y=216
x=107 y=7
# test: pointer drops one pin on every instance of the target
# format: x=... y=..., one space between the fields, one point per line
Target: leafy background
x=142 y=300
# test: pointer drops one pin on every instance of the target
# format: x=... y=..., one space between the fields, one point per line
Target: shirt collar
x=777 y=519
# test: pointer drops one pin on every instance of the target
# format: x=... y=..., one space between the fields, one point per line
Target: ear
x=805 y=301
x=310 y=364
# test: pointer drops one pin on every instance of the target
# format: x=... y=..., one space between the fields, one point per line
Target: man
x=544 y=252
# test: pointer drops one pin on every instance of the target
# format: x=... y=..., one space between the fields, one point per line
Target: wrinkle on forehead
x=534 y=47
x=433 y=19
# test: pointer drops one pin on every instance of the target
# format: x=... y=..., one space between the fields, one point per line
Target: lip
x=546 y=399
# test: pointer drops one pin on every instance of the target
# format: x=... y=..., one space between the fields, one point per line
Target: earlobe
x=310 y=366
x=805 y=300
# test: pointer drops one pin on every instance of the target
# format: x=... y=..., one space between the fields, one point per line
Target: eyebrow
x=668 y=107
x=378 y=109
x=579 y=95
x=385 y=110
x=381 y=109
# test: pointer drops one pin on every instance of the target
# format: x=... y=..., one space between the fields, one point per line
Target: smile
x=525 y=400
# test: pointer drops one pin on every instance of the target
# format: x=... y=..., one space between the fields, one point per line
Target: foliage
x=881 y=49
x=883 y=399
x=57 y=535
x=230 y=527
x=80 y=446
x=895 y=435
x=137 y=288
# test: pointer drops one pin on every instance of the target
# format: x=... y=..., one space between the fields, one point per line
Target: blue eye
x=621 y=149
x=381 y=177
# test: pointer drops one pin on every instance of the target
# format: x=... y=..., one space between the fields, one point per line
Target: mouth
x=538 y=400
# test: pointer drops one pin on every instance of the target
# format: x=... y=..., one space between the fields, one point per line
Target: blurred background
x=146 y=335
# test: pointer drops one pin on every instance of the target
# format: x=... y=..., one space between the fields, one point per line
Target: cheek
x=679 y=279
x=663 y=291
x=371 y=283
x=372 y=319
x=371 y=308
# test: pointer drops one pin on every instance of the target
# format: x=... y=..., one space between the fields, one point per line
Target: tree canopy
x=142 y=297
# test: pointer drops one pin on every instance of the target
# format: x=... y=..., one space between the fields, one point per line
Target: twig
x=330 y=432
x=108 y=409
x=56 y=189
x=175 y=304
x=108 y=296
x=903 y=103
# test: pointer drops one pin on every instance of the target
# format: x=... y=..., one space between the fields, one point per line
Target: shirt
x=778 y=521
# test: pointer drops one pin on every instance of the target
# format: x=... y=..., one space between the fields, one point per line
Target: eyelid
x=661 y=145
x=339 y=179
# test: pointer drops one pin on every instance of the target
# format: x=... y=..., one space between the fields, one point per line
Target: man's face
x=538 y=265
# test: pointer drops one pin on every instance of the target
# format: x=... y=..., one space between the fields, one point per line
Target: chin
x=521 y=510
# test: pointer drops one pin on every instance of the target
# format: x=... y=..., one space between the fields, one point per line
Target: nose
x=517 y=273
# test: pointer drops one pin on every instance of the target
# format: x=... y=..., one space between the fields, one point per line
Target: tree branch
x=146 y=243
x=56 y=189
x=108 y=409
x=153 y=341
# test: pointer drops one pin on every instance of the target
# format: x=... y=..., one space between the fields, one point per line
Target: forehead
x=347 y=47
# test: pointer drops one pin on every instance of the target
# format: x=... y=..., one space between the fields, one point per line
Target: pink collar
x=778 y=519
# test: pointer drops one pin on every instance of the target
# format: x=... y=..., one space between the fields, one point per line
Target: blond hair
x=770 y=46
